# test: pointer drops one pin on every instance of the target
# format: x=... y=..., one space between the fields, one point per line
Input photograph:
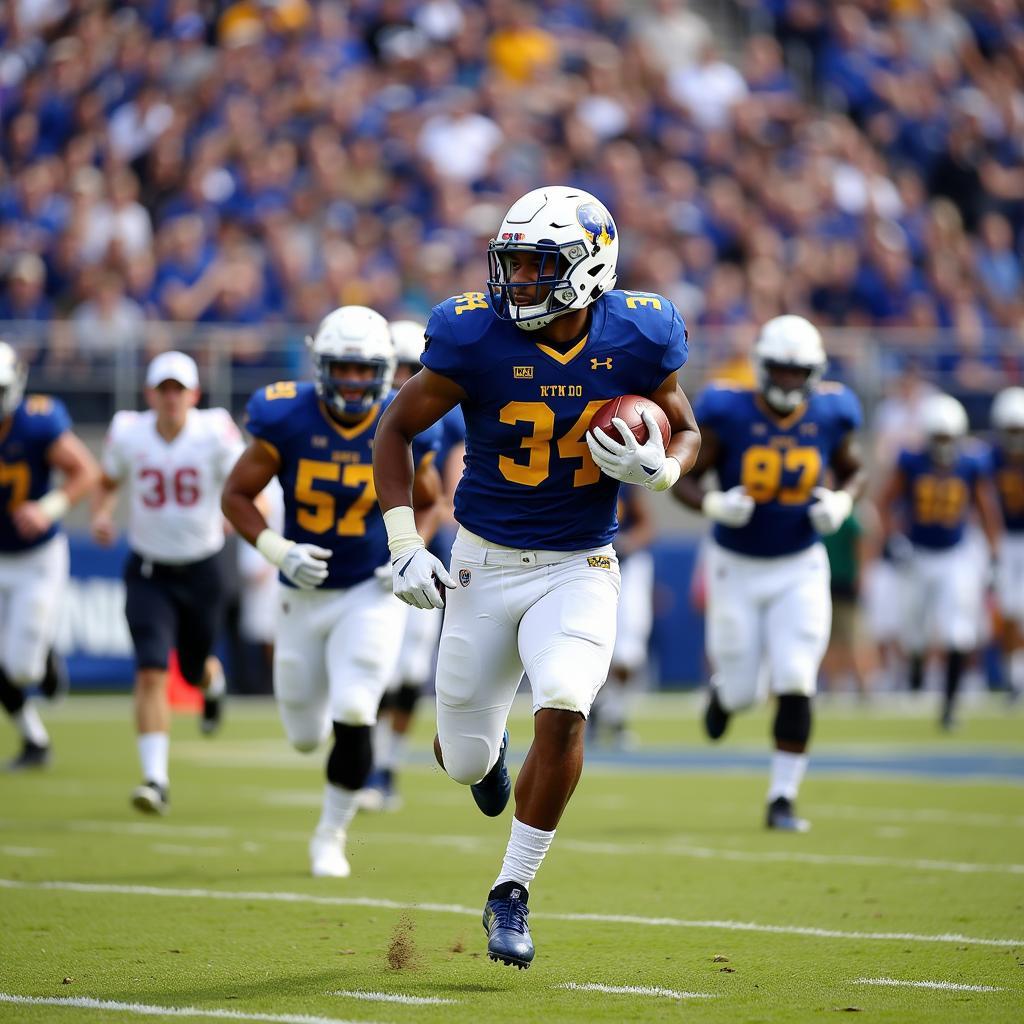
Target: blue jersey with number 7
x=779 y=460
x=326 y=473
x=529 y=480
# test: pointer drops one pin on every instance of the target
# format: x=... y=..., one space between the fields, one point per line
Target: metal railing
x=97 y=372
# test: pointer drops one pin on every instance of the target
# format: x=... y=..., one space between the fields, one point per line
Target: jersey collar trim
x=357 y=428
x=564 y=357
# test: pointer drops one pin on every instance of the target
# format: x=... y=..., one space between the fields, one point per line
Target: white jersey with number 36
x=175 y=486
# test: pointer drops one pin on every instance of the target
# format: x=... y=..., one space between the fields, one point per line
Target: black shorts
x=174 y=606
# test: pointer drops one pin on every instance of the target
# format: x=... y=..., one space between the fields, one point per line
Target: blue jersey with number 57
x=938 y=498
x=24 y=470
x=529 y=480
x=779 y=460
x=326 y=473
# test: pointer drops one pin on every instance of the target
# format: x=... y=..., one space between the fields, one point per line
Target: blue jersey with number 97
x=779 y=460
x=529 y=480
x=326 y=473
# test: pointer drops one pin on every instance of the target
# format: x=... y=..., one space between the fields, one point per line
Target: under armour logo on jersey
x=522 y=373
x=318 y=441
x=596 y=363
x=465 y=575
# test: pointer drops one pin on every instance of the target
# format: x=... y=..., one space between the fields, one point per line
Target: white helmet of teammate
x=408 y=337
x=13 y=377
x=788 y=343
x=944 y=424
x=352 y=334
x=577 y=243
x=1008 y=417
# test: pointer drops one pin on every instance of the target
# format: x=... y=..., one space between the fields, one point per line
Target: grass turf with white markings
x=288 y=958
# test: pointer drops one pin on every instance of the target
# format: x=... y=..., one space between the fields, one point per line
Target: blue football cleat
x=491 y=793
x=508 y=934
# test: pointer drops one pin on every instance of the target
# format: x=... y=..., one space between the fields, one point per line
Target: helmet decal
x=597 y=223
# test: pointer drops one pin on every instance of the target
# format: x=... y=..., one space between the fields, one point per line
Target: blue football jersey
x=937 y=499
x=779 y=460
x=529 y=480
x=1009 y=476
x=326 y=474
x=24 y=472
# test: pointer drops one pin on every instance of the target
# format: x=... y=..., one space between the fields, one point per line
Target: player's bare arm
x=255 y=468
x=428 y=502
x=688 y=489
x=848 y=467
x=989 y=515
x=421 y=402
x=81 y=471
x=101 y=517
x=684 y=445
x=887 y=502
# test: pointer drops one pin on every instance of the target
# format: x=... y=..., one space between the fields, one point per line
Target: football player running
x=174 y=459
x=419 y=641
x=35 y=439
x=1008 y=462
x=534 y=580
x=768 y=598
x=336 y=643
x=925 y=508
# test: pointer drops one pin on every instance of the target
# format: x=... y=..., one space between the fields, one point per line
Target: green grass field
x=661 y=879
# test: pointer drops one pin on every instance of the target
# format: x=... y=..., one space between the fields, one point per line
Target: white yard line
x=181 y=850
x=634 y=990
x=96 y=888
x=25 y=851
x=471 y=844
x=149 y=1010
x=394 y=997
x=915 y=815
x=946 y=986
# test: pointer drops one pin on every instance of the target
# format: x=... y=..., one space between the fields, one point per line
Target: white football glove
x=304 y=564
x=733 y=507
x=830 y=511
x=631 y=462
x=417 y=577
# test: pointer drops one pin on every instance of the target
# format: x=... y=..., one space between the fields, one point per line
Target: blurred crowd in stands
x=262 y=162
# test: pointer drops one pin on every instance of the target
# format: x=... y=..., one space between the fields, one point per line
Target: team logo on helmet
x=597 y=223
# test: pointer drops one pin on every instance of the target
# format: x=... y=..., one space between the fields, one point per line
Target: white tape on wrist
x=55 y=505
x=668 y=476
x=273 y=547
x=400 y=522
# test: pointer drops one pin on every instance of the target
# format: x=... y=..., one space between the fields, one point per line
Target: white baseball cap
x=173 y=366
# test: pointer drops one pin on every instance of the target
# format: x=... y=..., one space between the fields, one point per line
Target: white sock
x=1016 y=670
x=399 y=742
x=339 y=808
x=787 y=774
x=217 y=684
x=526 y=849
x=383 y=743
x=153 y=747
x=30 y=725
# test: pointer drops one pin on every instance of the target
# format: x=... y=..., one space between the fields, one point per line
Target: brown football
x=628 y=409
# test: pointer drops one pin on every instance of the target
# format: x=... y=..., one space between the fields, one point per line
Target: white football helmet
x=788 y=342
x=944 y=424
x=408 y=337
x=13 y=377
x=352 y=334
x=578 y=245
x=1008 y=417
